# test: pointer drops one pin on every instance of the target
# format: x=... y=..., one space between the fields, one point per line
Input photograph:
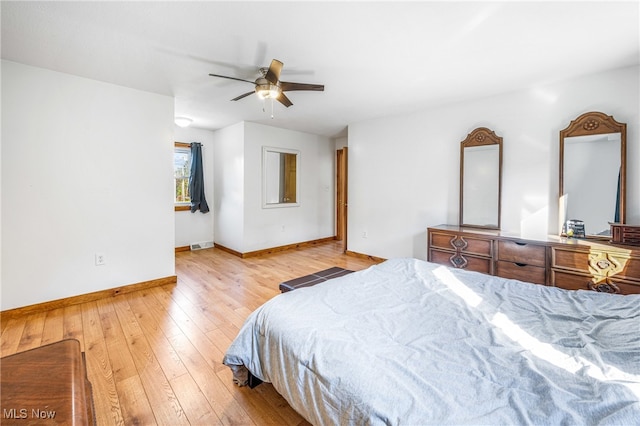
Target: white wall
x=314 y=217
x=404 y=171
x=228 y=182
x=241 y=223
x=86 y=168
x=341 y=142
x=197 y=227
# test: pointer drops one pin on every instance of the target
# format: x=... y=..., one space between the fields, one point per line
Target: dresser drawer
x=597 y=262
x=462 y=243
x=521 y=271
x=570 y=281
x=570 y=258
x=531 y=254
x=575 y=281
x=562 y=262
x=463 y=261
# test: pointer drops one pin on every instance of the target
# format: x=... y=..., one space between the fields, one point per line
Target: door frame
x=342 y=195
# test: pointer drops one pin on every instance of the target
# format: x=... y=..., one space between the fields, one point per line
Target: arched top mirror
x=480 y=179
x=593 y=167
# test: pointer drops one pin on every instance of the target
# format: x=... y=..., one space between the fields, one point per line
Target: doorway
x=341 y=196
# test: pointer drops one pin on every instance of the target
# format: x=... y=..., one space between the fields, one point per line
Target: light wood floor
x=155 y=356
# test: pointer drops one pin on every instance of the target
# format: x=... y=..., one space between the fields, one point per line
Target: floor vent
x=200 y=246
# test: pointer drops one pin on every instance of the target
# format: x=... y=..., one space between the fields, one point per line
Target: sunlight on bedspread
x=542 y=350
x=409 y=342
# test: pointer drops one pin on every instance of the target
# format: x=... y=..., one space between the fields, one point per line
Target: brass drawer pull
x=604 y=287
x=458 y=261
x=459 y=243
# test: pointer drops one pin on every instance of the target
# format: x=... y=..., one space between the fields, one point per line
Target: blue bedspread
x=407 y=342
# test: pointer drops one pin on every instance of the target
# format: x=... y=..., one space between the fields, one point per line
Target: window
x=181 y=170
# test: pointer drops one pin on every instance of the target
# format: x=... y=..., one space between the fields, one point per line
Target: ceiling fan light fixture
x=183 y=121
x=265 y=91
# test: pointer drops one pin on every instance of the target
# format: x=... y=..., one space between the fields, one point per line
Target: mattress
x=411 y=342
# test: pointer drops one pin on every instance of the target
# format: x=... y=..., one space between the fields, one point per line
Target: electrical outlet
x=282 y=229
x=365 y=234
x=100 y=259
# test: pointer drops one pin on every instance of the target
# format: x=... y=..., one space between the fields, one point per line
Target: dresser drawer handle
x=458 y=261
x=520 y=244
x=522 y=265
x=604 y=287
x=459 y=243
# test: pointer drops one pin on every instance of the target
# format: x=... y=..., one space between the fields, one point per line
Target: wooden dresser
x=561 y=262
x=47 y=386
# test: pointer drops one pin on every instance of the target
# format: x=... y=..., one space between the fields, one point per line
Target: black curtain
x=196 y=180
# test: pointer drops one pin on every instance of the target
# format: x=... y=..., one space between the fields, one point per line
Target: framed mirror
x=593 y=167
x=480 y=179
x=280 y=179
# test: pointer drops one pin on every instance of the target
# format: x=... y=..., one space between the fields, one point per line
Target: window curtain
x=196 y=180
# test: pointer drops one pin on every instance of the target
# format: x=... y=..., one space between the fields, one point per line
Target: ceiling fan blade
x=282 y=98
x=231 y=78
x=273 y=73
x=243 y=95
x=288 y=87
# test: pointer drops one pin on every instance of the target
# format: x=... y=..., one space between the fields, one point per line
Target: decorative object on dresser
x=480 y=179
x=568 y=263
x=625 y=234
x=593 y=170
x=47 y=385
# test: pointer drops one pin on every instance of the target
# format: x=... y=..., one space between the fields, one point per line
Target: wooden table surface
x=46 y=385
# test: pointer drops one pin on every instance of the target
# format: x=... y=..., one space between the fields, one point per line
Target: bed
x=412 y=342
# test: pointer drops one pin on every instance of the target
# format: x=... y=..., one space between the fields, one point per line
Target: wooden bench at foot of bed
x=313 y=279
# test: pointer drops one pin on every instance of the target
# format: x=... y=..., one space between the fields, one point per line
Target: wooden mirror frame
x=481 y=136
x=597 y=123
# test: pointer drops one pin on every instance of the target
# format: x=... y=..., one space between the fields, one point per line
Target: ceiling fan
x=269 y=86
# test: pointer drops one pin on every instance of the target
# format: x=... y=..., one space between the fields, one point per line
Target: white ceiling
x=374 y=58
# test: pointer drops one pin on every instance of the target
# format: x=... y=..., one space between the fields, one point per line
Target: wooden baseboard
x=83 y=298
x=274 y=249
x=365 y=256
x=183 y=248
x=227 y=249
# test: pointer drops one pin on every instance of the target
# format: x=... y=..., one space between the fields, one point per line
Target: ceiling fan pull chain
x=272 y=108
